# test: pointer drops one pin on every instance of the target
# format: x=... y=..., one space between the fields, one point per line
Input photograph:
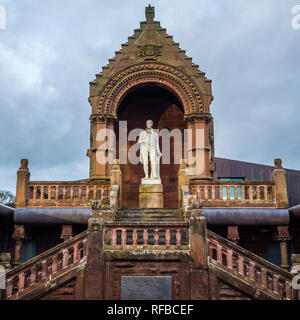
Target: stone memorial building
x=212 y=229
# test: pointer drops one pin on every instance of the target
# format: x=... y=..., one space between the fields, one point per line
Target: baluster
x=178 y=237
x=213 y=192
x=205 y=193
x=168 y=237
x=54 y=264
x=266 y=193
x=146 y=237
x=34 y=192
x=44 y=269
x=258 y=192
x=56 y=192
x=95 y=192
x=252 y=271
x=251 y=193
x=228 y=192
x=275 y=283
x=80 y=192
x=65 y=258
x=229 y=259
x=241 y=265
x=124 y=237
x=9 y=286
x=32 y=276
x=219 y=254
x=288 y=290
x=235 y=192
x=21 y=281
x=156 y=237
x=75 y=253
x=134 y=237
x=264 y=278
x=114 y=237
x=243 y=192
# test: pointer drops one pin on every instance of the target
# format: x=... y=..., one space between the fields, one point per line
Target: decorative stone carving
x=149 y=51
x=181 y=84
x=95 y=223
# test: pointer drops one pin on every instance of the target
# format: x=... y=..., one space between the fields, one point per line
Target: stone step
x=149 y=215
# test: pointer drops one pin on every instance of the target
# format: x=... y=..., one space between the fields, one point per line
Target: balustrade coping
x=46 y=254
x=147 y=224
x=250 y=255
x=231 y=183
x=68 y=183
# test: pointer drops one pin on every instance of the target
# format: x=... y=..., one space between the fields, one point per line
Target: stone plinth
x=151 y=196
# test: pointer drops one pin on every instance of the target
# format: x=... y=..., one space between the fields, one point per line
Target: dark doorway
x=163 y=107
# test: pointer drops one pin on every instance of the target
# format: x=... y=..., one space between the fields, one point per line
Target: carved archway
x=166 y=76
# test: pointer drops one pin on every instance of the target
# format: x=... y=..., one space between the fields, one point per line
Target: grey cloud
x=52 y=49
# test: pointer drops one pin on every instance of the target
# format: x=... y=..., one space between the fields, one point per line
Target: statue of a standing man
x=149 y=148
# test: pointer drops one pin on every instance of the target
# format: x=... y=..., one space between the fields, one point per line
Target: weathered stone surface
x=151 y=196
x=146 y=288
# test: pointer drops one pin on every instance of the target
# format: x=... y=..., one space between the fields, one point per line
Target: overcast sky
x=51 y=49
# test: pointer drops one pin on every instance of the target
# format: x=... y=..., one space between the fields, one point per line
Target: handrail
x=45 y=265
x=251 y=268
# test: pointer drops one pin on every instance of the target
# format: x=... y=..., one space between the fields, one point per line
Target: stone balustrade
x=146 y=236
x=251 y=268
x=47 y=265
x=234 y=193
x=64 y=194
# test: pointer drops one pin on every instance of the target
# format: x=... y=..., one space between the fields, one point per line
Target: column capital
x=103 y=118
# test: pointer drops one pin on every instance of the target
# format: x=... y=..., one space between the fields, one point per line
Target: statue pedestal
x=151 y=196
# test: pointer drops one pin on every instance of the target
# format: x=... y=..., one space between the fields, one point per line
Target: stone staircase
x=53 y=273
x=170 y=215
x=249 y=273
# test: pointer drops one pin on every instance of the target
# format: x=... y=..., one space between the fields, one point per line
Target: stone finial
x=194 y=203
x=183 y=164
x=278 y=163
x=150 y=13
x=95 y=223
x=24 y=164
x=116 y=164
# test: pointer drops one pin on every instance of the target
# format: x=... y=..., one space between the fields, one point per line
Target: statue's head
x=149 y=124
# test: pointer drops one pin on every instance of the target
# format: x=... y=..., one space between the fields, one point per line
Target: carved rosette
x=183 y=86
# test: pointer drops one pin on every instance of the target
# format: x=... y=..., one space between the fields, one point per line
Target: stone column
x=67 y=232
x=19 y=236
x=104 y=124
x=116 y=180
x=283 y=236
x=23 y=176
x=198 y=125
x=94 y=271
x=279 y=178
x=199 y=256
x=182 y=180
x=233 y=234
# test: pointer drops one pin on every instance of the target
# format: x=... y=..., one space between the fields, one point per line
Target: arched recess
x=183 y=86
x=141 y=103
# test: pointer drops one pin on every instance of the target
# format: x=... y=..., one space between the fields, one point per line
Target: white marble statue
x=149 y=148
